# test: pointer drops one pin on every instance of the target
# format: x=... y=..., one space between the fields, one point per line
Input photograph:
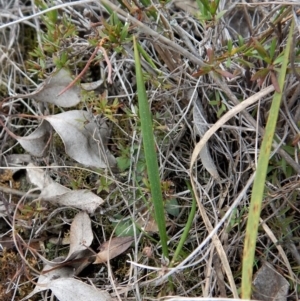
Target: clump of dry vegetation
x=86 y=212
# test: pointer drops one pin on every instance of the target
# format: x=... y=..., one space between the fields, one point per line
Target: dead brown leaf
x=112 y=248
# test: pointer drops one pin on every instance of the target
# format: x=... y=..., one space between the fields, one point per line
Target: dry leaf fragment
x=92 y=86
x=69 y=289
x=45 y=278
x=37 y=176
x=65 y=288
x=81 y=237
x=83 y=140
x=80 y=199
x=52 y=191
x=81 y=234
x=18 y=159
x=49 y=90
x=37 y=142
x=112 y=248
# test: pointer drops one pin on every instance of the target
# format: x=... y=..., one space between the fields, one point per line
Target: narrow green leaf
x=205 y=3
x=261 y=50
x=279 y=59
x=229 y=46
x=214 y=6
x=260 y=177
x=146 y=2
x=220 y=14
x=146 y=56
x=187 y=227
x=241 y=41
x=150 y=152
x=245 y=63
x=124 y=32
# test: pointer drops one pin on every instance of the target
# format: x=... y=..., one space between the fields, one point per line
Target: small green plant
x=29 y=212
x=212 y=66
x=115 y=32
x=221 y=108
x=208 y=10
x=124 y=160
x=58 y=29
x=107 y=110
x=268 y=57
x=104 y=185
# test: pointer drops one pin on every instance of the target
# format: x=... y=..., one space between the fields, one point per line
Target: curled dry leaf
x=69 y=289
x=80 y=199
x=47 y=275
x=200 y=129
x=65 y=288
x=83 y=140
x=37 y=176
x=81 y=237
x=112 y=248
x=37 y=142
x=81 y=234
x=52 y=191
x=92 y=86
x=49 y=90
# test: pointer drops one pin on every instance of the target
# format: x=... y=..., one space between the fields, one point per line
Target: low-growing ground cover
x=149 y=150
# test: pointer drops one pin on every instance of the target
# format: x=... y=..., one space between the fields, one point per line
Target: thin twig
x=109 y=79
x=70 y=85
x=18 y=192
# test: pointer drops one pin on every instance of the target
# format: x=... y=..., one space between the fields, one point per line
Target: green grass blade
x=259 y=181
x=146 y=56
x=150 y=152
x=187 y=227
